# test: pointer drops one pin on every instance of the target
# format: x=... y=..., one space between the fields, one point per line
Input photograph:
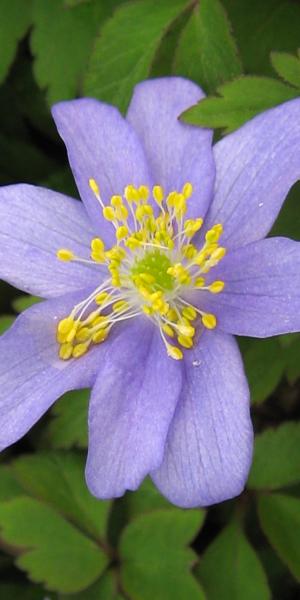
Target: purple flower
x=145 y=283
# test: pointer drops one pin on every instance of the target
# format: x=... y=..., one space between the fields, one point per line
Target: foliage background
x=56 y=540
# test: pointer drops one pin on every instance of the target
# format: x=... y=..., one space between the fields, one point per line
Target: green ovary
x=156 y=264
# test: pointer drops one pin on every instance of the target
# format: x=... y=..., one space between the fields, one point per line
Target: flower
x=145 y=282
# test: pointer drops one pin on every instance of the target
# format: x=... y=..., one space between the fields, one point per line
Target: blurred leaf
x=231 y=570
x=206 y=50
x=69 y=426
x=23 y=161
x=287 y=66
x=238 y=101
x=61 y=58
x=9 y=487
x=23 y=302
x=276 y=461
x=264 y=364
x=263 y=26
x=146 y=499
x=292 y=358
x=5 y=322
x=50 y=549
x=280 y=520
x=125 y=49
x=156 y=562
x=288 y=220
x=57 y=478
x=106 y=588
x=15 y=19
x=75 y=2
x=11 y=591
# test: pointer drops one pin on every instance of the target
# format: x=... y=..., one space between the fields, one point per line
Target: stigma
x=153 y=269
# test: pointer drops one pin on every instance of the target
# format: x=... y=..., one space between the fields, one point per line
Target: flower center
x=151 y=270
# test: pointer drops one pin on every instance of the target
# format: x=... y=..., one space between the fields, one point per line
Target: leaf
x=156 y=563
x=106 y=588
x=123 y=53
x=146 y=499
x=287 y=67
x=264 y=365
x=238 y=101
x=50 y=549
x=69 y=426
x=15 y=19
x=206 y=50
x=5 y=322
x=23 y=302
x=288 y=220
x=57 y=478
x=59 y=65
x=276 y=461
x=280 y=520
x=292 y=357
x=11 y=591
x=9 y=487
x=230 y=569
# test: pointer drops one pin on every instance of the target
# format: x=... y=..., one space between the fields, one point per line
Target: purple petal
x=262 y=289
x=209 y=446
x=34 y=224
x=132 y=404
x=256 y=166
x=176 y=152
x=101 y=145
x=32 y=376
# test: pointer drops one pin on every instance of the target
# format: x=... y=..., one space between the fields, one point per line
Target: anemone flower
x=145 y=282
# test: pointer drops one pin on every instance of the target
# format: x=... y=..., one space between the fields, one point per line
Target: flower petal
x=32 y=376
x=101 y=145
x=34 y=224
x=261 y=297
x=176 y=152
x=132 y=404
x=256 y=166
x=209 y=446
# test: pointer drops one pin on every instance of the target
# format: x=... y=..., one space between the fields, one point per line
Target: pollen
x=158 y=267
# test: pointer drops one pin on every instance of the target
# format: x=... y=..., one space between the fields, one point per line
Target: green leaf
x=106 y=588
x=276 y=461
x=5 y=322
x=206 y=50
x=238 y=101
x=23 y=302
x=230 y=569
x=288 y=220
x=15 y=19
x=264 y=364
x=50 y=549
x=57 y=478
x=11 y=591
x=280 y=520
x=61 y=57
x=69 y=426
x=9 y=487
x=125 y=49
x=292 y=357
x=146 y=499
x=287 y=66
x=156 y=562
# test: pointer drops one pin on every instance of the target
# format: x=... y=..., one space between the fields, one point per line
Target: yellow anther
x=189 y=251
x=144 y=192
x=121 y=232
x=97 y=245
x=147 y=278
x=100 y=322
x=172 y=315
x=148 y=310
x=80 y=349
x=199 y=282
x=186 y=329
x=191 y=226
x=168 y=329
x=115 y=254
x=121 y=212
x=187 y=190
x=65 y=325
x=174 y=352
x=65 y=351
x=158 y=194
x=116 y=201
x=120 y=305
x=100 y=298
x=218 y=254
x=180 y=205
x=97 y=257
x=65 y=254
x=109 y=213
x=213 y=234
x=171 y=199
x=131 y=194
x=216 y=287
x=209 y=321
x=115 y=281
x=71 y=335
x=94 y=186
x=83 y=334
x=185 y=341
x=100 y=336
x=189 y=313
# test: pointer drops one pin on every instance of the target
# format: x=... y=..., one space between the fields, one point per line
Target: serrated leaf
x=156 y=562
x=206 y=50
x=125 y=49
x=287 y=66
x=276 y=460
x=5 y=322
x=58 y=479
x=106 y=588
x=238 y=101
x=50 y=549
x=146 y=499
x=15 y=19
x=280 y=520
x=23 y=302
x=61 y=58
x=69 y=426
x=230 y=568
x=264 y=364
